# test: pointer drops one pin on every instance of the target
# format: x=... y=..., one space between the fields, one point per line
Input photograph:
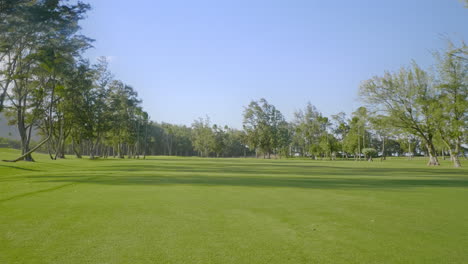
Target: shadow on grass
x=315 y=176
x=287 y=169
x=255 y=181
x=15 y=167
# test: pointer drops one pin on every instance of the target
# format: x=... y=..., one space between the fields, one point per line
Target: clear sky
x=188 y=59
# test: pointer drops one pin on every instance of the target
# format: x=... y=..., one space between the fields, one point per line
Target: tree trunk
x=119 y=150
x=93 y=148
x=29 y=152
x=454 y=150
x=433 y=161
x=383 y=150
x=410 y=153
x=77 y=153
x=24 y=138
x=454 y=157
x=59 y=151
x=146 y=140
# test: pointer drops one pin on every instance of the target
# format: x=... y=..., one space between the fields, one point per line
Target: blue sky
x=189 y=59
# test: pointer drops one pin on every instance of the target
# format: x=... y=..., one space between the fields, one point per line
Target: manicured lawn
x=193 y=210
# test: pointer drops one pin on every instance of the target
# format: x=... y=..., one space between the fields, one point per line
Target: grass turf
x=192 y=210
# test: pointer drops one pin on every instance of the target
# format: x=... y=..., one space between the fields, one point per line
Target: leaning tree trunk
x=77 y=152
x=49 y=150
x=454 y=157
x=454 y=150
x=26 y=152
x=433 y=161
x=29 y=152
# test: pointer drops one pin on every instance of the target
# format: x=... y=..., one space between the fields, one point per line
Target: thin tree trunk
x=59 y=141
x=146 y=141
x=433 y=161
x=359 y=145
x=49 y=150
x=77 y=153
x=383 y=150
x=454 y=150
x=93 y=148
x=410 y=153
x=454 y=157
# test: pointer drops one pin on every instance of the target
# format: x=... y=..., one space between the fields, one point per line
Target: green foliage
x=408 y=98
x=79 y=106
x=204 y=140
x=432 y=108
x=311 y=132
x=39 y=44
x=452 y=97
x=265 y=126
x=369 y=153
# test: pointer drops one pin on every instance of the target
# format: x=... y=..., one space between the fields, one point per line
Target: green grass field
x=193 y=210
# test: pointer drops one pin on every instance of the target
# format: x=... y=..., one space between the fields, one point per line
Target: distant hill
x=11 y=132
x=7 y=131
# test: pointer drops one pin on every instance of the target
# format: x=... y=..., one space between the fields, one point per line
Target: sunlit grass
x=193 y=210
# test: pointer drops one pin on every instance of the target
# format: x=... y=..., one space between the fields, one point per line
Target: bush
x=369 y=153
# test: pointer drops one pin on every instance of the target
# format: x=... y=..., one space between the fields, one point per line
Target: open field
x=193 y=210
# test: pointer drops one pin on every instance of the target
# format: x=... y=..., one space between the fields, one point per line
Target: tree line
x=78 y=107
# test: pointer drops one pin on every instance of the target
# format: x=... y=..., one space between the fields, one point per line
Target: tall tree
x=308 y=127
x=408 y=97
x=383 y=128
x=37 y=38
x=351 y=141
x=340 y=129
x=124 y=104
x=452 y=84
x=203 y=137
x=264 y=125
x=220 y=137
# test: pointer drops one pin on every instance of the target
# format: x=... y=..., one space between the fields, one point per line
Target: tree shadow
x=18 y=168
x=262 y=174
x=286 y=169
x=256 y=181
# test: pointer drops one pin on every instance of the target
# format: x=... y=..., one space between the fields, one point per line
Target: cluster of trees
x=201 y=139
x=217 y=140
x=48 y=88
x=266 y=129
x=411 y=111
x=311 y=134
x=430 y=105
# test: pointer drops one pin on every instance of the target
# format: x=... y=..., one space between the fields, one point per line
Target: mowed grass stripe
x=192 y=210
